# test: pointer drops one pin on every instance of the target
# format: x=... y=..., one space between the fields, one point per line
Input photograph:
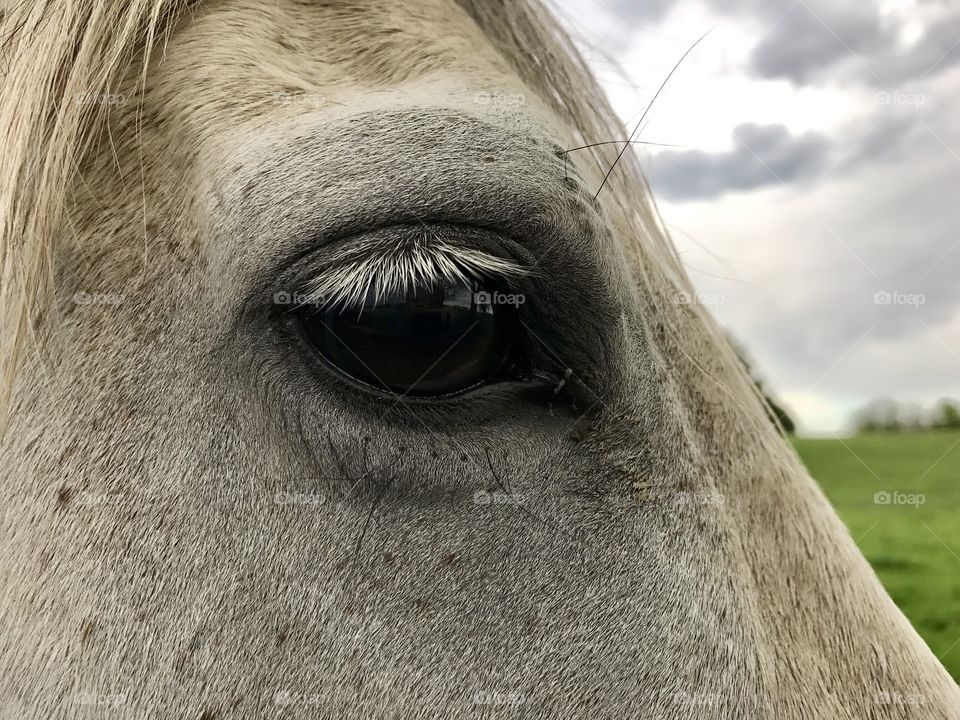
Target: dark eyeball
x=427 y=341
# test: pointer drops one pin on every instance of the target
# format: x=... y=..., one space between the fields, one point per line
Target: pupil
x=425 y=341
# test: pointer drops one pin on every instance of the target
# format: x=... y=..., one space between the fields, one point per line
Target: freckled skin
x=202 y=523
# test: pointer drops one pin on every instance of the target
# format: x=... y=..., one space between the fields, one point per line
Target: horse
x=349 y=371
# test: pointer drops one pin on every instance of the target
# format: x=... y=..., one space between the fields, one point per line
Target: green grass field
x=914 y=547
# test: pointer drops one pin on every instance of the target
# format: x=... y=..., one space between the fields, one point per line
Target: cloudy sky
x=814 y=183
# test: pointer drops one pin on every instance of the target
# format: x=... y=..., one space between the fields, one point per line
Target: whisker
x=608 y=142
x=366 y=523
x=647 y=111
x=341 y=466
x=523 y=508
x=367 y=474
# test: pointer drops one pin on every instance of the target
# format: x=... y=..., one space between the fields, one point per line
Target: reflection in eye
x=431 y=340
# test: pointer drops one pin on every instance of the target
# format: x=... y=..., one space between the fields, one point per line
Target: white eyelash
x=373 y=271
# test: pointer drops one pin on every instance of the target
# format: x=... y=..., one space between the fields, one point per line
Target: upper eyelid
x=305 y=187
x=397 y=258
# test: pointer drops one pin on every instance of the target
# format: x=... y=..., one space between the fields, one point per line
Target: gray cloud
x=936 y=51
x=769 y=155
x=806 y=41
x=634 y=12
x=763 y=155
x=812 y=40
x=817 y=40
x=814 y=316
x=866 y=297
x=886 y=139
x=846 y=288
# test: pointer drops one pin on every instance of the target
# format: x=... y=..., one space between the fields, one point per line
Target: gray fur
x=202 y=523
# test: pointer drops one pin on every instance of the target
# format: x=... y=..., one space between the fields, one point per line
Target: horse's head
x=346 y=387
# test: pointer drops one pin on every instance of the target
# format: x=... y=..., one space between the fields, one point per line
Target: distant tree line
x=886 y=415
x=775 y=410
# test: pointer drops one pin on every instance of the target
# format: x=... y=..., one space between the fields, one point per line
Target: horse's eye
x=426 y=341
